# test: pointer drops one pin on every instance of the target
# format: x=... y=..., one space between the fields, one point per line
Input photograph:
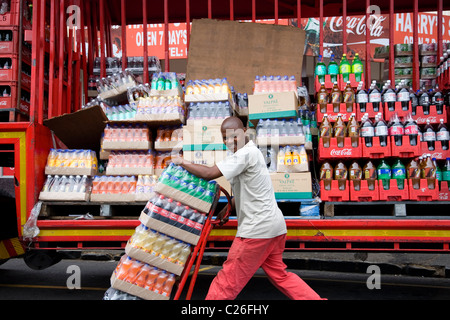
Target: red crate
x=438 y=152
x=12 y=46
x=406 y=150
x=376 y=151
x=334 y=152
x=394 y=193
x=423 y=193
x=369 y=110
x=341 y=83
x=364 y=194
x=328 y=83
x=397 y=109
x=433 y=116
x=334 y=194
x=332 y=116
x=12 y=18
x=12 y=73
x=10 y=101
x=444 y=192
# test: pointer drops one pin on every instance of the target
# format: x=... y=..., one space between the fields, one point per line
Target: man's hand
x=177 y=159
x=221 y=217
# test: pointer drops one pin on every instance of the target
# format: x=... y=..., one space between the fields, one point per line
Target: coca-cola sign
x=357 y=25
x=341 y=152
x=423 y=120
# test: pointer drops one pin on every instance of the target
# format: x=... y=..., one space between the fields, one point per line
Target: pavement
x=392 y=263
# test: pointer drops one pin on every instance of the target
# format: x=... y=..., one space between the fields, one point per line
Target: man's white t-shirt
x=257 y=211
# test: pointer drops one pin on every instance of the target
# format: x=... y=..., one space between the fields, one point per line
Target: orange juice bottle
x=95 y=185
x=117 y=184
x=168 y=285
x=122 y=268
x=159 y=283
x=52 y=158
x=133 y=271
x=141 y=279
x=151 y=278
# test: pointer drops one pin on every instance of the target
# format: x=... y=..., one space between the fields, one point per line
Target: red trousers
x=244 y=259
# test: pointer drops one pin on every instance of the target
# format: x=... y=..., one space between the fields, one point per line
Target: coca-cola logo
x=341 y=152
x=437 y=155
x=420 y=120
x=333 y=117
x=357 y=25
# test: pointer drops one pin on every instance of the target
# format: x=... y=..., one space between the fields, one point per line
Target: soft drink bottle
x=367 y=131
x=345 y=68
x=320 y=70
x=336 y=97
x=370 y=174
x=133 y=271
x=389 y=96
x=139 y=235
x=411 y=129
x=326 y=175
x=168 y=285
x=159 y=243
x=353 y=130
x=375 y=97
x=175 y=252
x=159 y=283
x=443 y=135
x=399 y=173
x=384 y=174
x=362 y=98
x=438 y=100
x=403 y=96
x=122 y=268
x=151 y=278
x=413 y=96
x=167 y=248
x=357 y=67
x=341 y=175
x=349 y=97
x=424 y=100
x=429 y=135
x=333 y=69
x=141 y=278
x=51 y=158
x=149 y=240
x=446 y=171
x=396 y=129
x=413 y=173
x=356 y=175
x=339 y=131
x=288 y=156
x=381 y=130
x=184 y=255
x=325 y=131
x=438 y=171
x=429 y=171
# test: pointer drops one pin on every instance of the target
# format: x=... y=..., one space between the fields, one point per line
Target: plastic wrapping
x=30 y=229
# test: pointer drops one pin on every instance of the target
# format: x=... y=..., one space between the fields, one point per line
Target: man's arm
x=201 y=171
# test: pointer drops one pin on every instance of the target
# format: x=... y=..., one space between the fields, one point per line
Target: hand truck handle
x=217 y=221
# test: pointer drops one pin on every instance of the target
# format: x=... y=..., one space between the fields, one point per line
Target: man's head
x=233 y=133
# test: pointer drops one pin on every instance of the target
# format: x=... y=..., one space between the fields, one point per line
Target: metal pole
x=391 y=42
x=416 y=71
x=52 y=58
x=344 y=26
x=102 y=39
x=166 y=36
x=124 y=34
x=321 y=27
x=188 y=24
x=145 y=38
x=439 y=30
x=368 y=71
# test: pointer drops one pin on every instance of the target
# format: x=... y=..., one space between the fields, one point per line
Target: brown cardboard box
x=272 y=105
x=64 y=196
x=202 y=137
x=205 y=158
x=135 y=290
x=243 y=50
x=67 y=171
x=292 y=185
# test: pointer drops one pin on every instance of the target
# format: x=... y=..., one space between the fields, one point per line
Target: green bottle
x=384 y=174
x=438 y=172
x=446 y=171
x=345 y=68
x=333 y=69
x=357 y=68
x=399 y=173
x=321 y=70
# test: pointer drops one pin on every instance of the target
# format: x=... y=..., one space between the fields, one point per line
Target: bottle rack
x=438 y=152
x=376 y=151
x=332 y=116
x=335 y=152
x=394 y=193
x=341 y=83
x=364 y=194
x=444 y=192
x=406 y=150
x=419 y=117
x=334 y=194
x=369 y=110
x=424 y=193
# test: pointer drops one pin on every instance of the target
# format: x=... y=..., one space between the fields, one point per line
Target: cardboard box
x=67 y=171
x=135 y=290
x=169 y=230
x=224 y=183
x=119 y=171
x=165 y=118
x=272 y=105
x=292 y=185
x=206 y=158
x=64 y=196
x=202 y=137
x=268 y=50
x=127 y=145
x=281 y=141
x=153 y=260
x=109 y=197
x=168 y=145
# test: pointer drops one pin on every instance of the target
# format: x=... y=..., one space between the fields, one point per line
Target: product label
x=348 y=97
x=375 y=97
x=345 y=68
x=446 y=176
x=367 y=132
x=442 y=136
x=381 y=131
x=389 y=97
x=411 y=130
x=399 y=173
x=322 y=98
x=403 y=96
x=429 y=136
x=325 y=174
x=396 y=130
x=362 y=98
x=384 y=173
x=340 y=153
x=335 y=97
x=357 y=68
x=369 y=174
x=339 y=132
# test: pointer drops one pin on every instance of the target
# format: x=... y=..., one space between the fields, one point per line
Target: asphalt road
x=18 y=282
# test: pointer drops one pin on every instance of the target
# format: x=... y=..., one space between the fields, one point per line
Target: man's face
x=233 y=138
